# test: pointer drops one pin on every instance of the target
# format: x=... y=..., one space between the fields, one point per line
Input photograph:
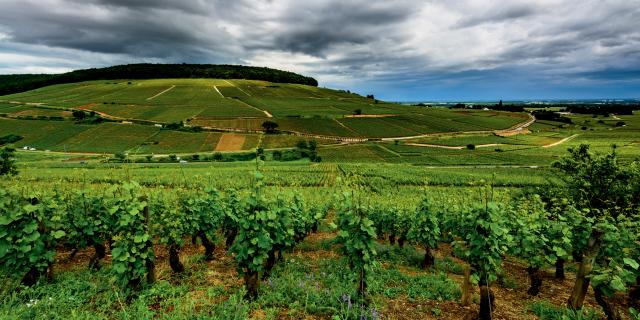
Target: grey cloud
x=504 y=12
x=133 y=31
x=315 y=29
x=354 y=41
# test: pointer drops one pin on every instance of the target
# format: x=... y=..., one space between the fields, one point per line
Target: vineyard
x=329 y=241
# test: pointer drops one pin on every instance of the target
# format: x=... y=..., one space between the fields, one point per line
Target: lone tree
x=7 y=162
x=269 y=126
x=79 y=114
x=357 y=112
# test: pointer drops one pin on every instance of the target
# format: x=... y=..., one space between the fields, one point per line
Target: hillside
x=19 y=83
x=135 y=115
x=207 y=116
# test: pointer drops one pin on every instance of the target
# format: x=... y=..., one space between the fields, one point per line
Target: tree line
x=15 y=83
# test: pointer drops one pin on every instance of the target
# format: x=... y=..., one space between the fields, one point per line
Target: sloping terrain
x=44 y=116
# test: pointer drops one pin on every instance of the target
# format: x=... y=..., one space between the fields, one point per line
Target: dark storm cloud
x=344 y=43
x=140 y=31
x=314 y=30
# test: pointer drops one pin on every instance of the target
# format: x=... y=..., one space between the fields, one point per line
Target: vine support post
x=586 y=266
x=466 y=287
x=362 y=284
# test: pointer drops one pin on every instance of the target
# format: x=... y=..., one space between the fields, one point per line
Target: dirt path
x=342 y=125
x=517 y=128
x=230 y=142
x=161 y=93
x=561 y=141
x=266 y=113
x=233 y=85
x=216 y=87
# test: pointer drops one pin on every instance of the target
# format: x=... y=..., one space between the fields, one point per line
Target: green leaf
x=4 y=248
x=58 y=234
x=631 y=263
x=617 y=284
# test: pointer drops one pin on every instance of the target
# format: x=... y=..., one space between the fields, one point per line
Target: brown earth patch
x=230 y=142
x=36 y=113
x=86 y=106
x=513 y=133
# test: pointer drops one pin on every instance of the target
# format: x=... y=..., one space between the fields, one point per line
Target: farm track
x=266 y=113
x=560 y=142
x=161 y=93
x=218 y=90
x=233 y=85
x=514 y=129
x=389 y=150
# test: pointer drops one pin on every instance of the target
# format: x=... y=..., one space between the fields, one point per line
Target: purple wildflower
x=374 y=314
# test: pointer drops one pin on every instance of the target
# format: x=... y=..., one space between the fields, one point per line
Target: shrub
x=269 y=126
x=10 y=138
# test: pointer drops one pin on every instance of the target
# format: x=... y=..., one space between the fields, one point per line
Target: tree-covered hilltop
x=23 y=82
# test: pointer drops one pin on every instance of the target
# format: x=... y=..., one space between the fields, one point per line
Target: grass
x=300 y=286
x=167 y=141
x=42 y=134
x=109 y=138
x=547 y=311
x=240 y=104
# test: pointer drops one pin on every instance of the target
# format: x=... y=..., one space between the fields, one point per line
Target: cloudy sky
x=396 y=49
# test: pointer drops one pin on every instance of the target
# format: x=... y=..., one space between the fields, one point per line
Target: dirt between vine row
x=511 y=303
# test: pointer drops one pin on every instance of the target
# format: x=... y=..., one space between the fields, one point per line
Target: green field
x=310 y=280
x=239 y=105
x=440 y=136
